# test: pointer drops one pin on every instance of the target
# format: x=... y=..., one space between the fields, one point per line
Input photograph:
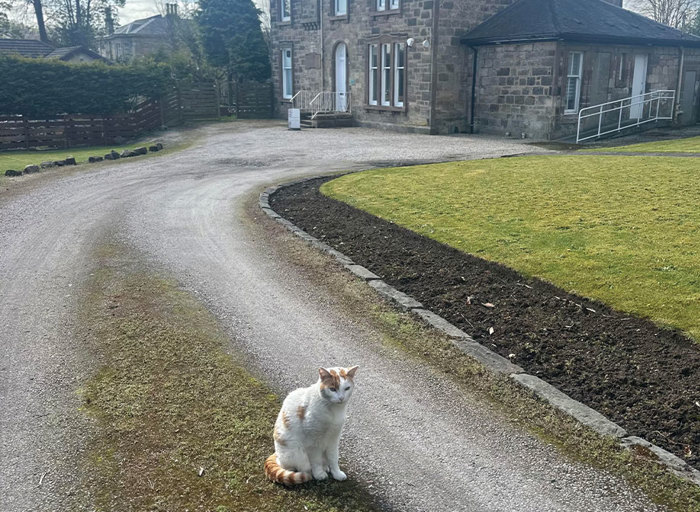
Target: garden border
x=490 y=360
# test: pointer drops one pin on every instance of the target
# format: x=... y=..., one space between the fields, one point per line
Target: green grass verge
x=18 y=160
x=169 y=400
x=620 y=230
x=687 y=145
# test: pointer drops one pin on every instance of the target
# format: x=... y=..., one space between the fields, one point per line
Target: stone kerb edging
x=493 y=362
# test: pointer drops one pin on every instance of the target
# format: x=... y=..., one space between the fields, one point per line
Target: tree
x=77 y=22
x=674 y=13
x=232 y=38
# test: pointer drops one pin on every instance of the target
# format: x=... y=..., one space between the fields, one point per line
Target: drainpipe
x=472 y=110
x=677 y=106
x=433 y=65
x=323 y=53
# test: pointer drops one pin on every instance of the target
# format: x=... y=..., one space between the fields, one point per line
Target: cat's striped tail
x=274 y=472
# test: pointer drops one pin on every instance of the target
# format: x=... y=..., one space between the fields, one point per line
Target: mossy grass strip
x=625 y=231
x=182 y=425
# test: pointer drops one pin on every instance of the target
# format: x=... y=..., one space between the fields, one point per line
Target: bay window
x=386 y=75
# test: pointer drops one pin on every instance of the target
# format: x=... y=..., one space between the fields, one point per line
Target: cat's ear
x=324 y=374
x=351 y=372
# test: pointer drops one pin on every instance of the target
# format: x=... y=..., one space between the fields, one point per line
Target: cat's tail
x=274 y=472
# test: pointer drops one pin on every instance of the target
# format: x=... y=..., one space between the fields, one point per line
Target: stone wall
x=314 y=66
x=514 y=89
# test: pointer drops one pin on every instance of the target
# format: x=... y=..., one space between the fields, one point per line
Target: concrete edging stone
x=494 y=362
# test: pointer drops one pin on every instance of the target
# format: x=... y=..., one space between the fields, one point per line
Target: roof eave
x=581 y=38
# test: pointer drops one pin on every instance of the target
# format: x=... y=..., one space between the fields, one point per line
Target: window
x=386 y=80
x=341 y=7
x=285 y=10
x=373 y=75
x=399 y=66
x=573 y=82
x=382 y=5
x=287 y=73
x=386 y=75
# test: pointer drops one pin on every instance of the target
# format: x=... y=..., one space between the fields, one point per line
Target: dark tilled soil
x=645 y=378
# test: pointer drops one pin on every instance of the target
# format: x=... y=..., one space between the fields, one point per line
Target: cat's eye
x=333 y=389
x=347 y=387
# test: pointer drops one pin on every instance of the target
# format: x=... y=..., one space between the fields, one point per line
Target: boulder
x=12 y=172
x=46 y=165
x=159 y=145
x=112 y=155
x=59 y=163
x=70 y=161
x=127 y=153
x=141 y=151
x=153 y=149
x=29 y=169
x=93 y=159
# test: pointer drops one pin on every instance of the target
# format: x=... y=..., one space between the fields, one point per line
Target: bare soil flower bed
x=645 y=378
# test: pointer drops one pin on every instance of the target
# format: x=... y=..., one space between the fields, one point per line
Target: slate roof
x=593 y=21
x=25 y=47
x=67 y=52
x=154 y=26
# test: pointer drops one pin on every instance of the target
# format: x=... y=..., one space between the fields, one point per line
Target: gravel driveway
x=426 y=447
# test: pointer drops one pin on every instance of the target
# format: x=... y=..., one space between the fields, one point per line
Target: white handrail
x=330 y=102
x=663 y=97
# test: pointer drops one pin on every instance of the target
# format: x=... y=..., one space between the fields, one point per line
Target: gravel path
x=425 y=446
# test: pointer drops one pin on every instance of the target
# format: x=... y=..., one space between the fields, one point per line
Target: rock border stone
x=492 y=361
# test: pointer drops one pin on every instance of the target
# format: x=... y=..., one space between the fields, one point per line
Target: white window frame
x=576 y=74
x=285 y=14
x=394 y=4
x=373 y=75
x=385 y=90
x=340 y=7
x=381 y=5
x=287 y=80
x=399 y=72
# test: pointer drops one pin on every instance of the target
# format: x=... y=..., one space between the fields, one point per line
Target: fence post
x=25 y=126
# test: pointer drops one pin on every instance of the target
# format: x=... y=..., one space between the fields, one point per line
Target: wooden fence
x=182 y=104
x=253 y=100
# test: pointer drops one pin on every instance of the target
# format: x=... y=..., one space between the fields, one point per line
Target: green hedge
x=38 y=87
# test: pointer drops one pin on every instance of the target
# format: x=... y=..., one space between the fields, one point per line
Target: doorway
x=688 y=103
x=639 y=82
x=341 y=77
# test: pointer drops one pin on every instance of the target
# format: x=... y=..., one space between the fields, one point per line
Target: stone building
x=139 y=38
x=524 y=67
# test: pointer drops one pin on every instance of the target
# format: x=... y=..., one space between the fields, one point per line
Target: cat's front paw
x=339 y=475
x=320 y=474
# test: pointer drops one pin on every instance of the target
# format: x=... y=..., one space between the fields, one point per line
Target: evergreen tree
x=232 y=38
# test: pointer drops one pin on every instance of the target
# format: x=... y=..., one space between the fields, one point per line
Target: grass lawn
x=622 y=230
x=688 y=145
x=17 y=160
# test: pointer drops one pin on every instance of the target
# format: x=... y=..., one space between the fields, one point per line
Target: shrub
x=40 y=88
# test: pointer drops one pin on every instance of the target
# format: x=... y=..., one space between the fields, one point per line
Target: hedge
x=38 y=87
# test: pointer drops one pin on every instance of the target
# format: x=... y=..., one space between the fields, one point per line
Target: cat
x=307 y=430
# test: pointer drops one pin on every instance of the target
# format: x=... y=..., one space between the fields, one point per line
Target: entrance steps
x=326 y=120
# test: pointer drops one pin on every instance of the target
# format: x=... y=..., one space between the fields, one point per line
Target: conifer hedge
x=38 y=88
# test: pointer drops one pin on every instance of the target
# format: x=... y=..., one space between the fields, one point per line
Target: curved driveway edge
x=493 y=362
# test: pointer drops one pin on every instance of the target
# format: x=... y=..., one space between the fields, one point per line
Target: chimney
x=109 y=21
x=171 y=10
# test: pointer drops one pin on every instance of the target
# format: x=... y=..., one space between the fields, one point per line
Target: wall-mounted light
x=426 y=43
x=410 y=41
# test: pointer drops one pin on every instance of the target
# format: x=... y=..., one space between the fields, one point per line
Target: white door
x=639 y=80
x=341 y=66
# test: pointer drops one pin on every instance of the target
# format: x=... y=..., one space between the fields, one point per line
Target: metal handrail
x=302 y=100
x=641 y=101
x=330 y=102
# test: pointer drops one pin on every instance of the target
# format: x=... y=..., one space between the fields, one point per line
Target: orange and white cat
x=307 y=431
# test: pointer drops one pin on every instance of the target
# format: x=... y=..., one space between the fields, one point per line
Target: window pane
x=373 y=75
x=571 y=93
x=287 y=73
x=393 y=4
x=386 y=74
x=286 y=9
x=341 y=7
x=399 y=64
x=381 y=5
